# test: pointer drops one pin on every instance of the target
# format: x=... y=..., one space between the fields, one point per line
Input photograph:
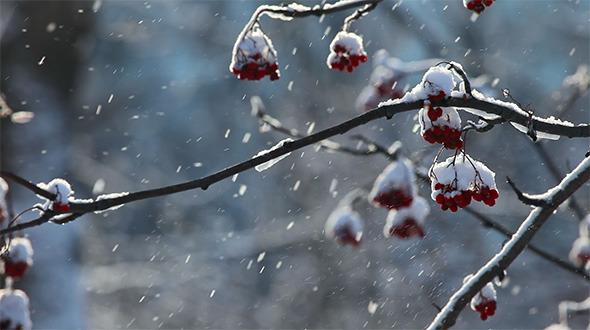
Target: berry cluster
x=408 y=229
x=14 y=309
x=254 y=57
x=394 y=188
x=435 y=97
x=486 y=308
x=449 y=137
x=477 y=6
x=59 y=207
x=580 y=252
x=63 y=191
x=450 y=198
x=441 y=125
x=486 y=195
x=456 y=182
x=484 y=302
x=345 y=226
x=393 y=199
x=346 y=52
x=407 y=222
x=17 y=258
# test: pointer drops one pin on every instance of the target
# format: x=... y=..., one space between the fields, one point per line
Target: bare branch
x=525 y=198
x=487 y=222
x=27 y=184
x=536 y=218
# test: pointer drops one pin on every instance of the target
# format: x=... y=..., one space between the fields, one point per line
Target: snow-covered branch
x=500 y=262
x=507 y=111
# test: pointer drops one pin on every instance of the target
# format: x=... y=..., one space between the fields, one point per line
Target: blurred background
x=131 y=95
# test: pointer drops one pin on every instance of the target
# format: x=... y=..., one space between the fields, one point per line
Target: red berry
x=15 y=269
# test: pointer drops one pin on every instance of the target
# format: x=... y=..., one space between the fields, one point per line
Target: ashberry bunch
x=407 y=222
x=458 y=180
x=254 y=57
x=440 y=125
x=477 y=6
x=580 y=252
x=438 y=83
x=484 y=302
x=62 y=189
x=346 y=52
x=345 y=225
x=14 y=310
x=18 y=258
x=394 y=187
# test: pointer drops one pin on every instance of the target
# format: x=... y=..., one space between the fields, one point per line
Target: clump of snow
x=463 y=172
x=540 y=135
x=20 y=250
x=416 y=212
x=62 y=189
x=59 y=187
x=344 y=225
x=397 y=175
x=254 y=56
x=14 y=309
x=266 y=165
x=111 y=196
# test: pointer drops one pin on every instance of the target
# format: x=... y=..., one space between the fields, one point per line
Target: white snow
x=60 y=187
x=111 y=196
x=418 y=211
x=266 y=165
x=350 y=41
x=14 y=306
x=344 y=217
x=581 y=247
x=251 y=43
x=397 y=175
x=464 y=172
x=20 y=250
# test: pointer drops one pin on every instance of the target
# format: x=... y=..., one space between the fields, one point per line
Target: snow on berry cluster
x=346 y=52
x=459 y=179
x=62 y=189
x=395 y=190
x=484 y=302
x=438 y=83
x=407 y=222
x=580 y=253
x=384 y=84
x=4 y=217
x=254 y=57
x=14 y=310
x=345 y=225
x=440 y=125
x=17 y=258
x=477 y=6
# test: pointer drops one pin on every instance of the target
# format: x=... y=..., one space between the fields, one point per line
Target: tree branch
x=500 y=262
x=387 y=111
x=27 y=184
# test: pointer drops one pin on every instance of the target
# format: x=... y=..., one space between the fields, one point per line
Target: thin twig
x=487 y=222
x=27 y=184
x=525 y=198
